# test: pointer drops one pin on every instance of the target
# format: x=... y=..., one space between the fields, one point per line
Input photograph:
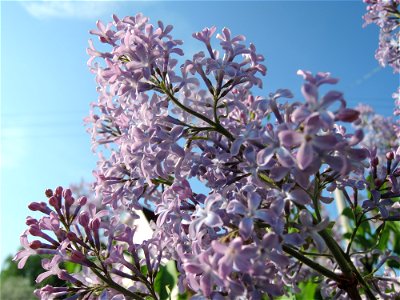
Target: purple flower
x=203 y=272
x=377 y=202
x=207 y=215
x=23 y=255
x=250 y=213
x=51 y=266
x=386 y=15
x=205 y=35
x=309 y=229
x=236 y=256
x=271 y=248
x=310 y=144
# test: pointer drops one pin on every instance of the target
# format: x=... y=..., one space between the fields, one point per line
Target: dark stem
x=312 y=264
x=217 y=127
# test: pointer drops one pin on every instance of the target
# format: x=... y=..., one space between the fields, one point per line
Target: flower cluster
x=379 y=130
x=268 y=164
x=74 y=231
x=386 y=14
x=396 y=98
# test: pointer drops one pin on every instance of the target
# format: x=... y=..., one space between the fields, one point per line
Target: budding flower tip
x=390 y=155
x=48 y=193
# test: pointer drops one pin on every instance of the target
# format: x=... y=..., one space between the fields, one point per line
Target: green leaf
x=166 y=279
x=184 y=296
x=383 y=242
x=144 y=270
x=309 y=290
x=347 y=212
x=347 y=235
x=394 y=226
x=71 y=267
x=363 y=241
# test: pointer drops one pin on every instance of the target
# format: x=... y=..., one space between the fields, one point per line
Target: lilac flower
x=203 y=273
x=271 y=248
x=236 y=256
x=231 y=45
x=250 y=213
x=205 y=37
x=261 y=159
x=51 y=266
x=207 y=215
x=377 y=202
x=308 y=141
x=296 y=195
x=386 y=15
x=308 y=228
x=106 y=35
x=50 y=292
x=78 y=240
x=23 y=255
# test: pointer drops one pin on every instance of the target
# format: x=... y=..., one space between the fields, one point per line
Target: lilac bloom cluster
x=385 y=185
x=379 y=130
x=268 y=163
x=386 y=14
x=396 y=98
x=74 y=231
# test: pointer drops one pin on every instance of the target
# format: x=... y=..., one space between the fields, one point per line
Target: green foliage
x=184 y=296
x=25 y=279
x=373 y=235
x=166 y=280
x=347 y=212
x=72 y=267
x=32 y=269
x=16 y=288
x=309 y=290
x=144 y=270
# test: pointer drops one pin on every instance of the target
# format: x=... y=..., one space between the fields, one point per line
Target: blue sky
x=46 y=87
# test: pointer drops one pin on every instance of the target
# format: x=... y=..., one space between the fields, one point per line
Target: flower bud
x=347 y=115
x=30 y=221
x=35 y=231
x=375 y=161
x=55 y=202
x=78 y=257
x=72 y=236
x=36 y=244
x=66 y=193
x=59 y=191
x=95 y=224
x=82 y=200
x=84 y=219
x=34 y=206
x=64 y=275
x=390 y=155
x=69 y=201
x=48 y=193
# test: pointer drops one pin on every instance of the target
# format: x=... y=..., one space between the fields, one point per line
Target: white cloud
x=68 y=9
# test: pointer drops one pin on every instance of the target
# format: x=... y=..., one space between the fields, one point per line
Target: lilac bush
x=269 y=165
